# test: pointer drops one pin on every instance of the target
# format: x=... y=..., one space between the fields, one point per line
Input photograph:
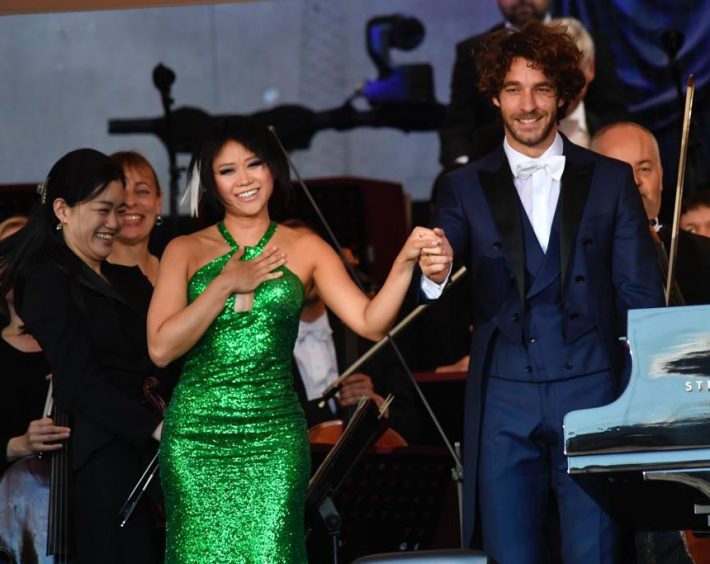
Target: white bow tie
x=554 y=166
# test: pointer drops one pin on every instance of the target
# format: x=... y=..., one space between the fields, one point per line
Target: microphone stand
x=163 y=79
x=457 y=471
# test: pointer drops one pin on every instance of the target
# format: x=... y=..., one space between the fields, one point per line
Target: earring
x=59 y=226
x=159 y=220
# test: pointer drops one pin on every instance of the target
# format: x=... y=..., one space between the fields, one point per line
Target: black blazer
x=93 y=335
x=692 y=265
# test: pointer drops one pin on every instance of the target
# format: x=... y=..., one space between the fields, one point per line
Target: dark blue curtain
x=635 y=31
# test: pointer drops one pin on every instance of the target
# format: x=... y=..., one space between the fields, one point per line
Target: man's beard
x=529 y=139
x=520 y=17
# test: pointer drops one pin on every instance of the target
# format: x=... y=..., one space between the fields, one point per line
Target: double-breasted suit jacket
x=606 y=266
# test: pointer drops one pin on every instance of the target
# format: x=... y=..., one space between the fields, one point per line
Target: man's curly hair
x=549 y=49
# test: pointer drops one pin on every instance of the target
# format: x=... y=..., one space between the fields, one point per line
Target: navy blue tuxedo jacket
x=607 y=264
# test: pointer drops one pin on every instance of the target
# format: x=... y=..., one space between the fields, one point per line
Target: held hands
x=421 y=238
x=246 y=276
x=435 y=259
x=41 y=436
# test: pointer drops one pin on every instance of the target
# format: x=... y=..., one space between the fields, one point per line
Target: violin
x=330 y=432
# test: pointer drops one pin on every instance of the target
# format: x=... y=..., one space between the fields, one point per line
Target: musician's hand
x=435 y=261
x=356 y=386
x=460 y=365
x=41 y=436
x=245 y=276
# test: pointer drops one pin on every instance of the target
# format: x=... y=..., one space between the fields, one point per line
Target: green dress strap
x=249 y=252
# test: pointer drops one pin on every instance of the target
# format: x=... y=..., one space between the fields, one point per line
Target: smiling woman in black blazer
x=89 y=318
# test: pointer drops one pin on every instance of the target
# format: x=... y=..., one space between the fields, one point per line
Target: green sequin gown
x=234 y=455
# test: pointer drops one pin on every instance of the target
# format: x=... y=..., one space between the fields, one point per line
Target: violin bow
x=687 y=114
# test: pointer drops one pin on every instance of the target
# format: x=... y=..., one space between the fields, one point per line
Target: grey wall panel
x=63 y=76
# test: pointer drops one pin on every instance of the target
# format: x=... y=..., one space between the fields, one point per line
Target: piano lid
x=645 y=458
x=666 y=405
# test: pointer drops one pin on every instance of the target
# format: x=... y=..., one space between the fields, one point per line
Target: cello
x=34 y=508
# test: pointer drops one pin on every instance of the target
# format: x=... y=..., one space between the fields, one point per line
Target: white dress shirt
x=574 y=126
x=315 y=356
x=539 y=186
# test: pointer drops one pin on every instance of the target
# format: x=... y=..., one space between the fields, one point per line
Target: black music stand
x=392 y=501
x=365 y=427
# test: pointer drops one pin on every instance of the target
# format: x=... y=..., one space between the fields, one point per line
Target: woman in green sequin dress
x=234 y=454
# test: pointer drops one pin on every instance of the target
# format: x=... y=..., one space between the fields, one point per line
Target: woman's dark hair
x=258 y=139
x=698 y=199
x=549 y=48
x=77 y=177
x=136 y=161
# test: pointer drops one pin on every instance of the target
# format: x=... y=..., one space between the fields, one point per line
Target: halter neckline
x=270 y=230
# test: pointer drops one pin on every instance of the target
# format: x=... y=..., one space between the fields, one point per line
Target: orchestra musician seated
x=325 y=348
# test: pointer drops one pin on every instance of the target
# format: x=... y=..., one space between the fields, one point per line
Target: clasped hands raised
x=431 y=249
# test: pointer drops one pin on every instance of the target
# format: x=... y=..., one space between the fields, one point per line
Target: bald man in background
x=636 y=145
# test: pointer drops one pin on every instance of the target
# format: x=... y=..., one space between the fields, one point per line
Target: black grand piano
x=646 y=457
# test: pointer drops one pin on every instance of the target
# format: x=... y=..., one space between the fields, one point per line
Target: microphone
x=163 y=78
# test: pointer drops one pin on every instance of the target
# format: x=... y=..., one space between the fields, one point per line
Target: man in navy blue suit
x=558 y=248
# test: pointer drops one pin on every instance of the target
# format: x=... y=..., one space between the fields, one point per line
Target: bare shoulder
x=305 y=251
x=183 y=244
x=300 y=238
x=198 y=247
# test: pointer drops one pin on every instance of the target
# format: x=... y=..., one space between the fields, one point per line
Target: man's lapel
x=503 y=200
x=574 y=189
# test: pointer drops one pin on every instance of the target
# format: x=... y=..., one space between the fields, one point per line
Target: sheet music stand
x=365 y=427
x=396 y=499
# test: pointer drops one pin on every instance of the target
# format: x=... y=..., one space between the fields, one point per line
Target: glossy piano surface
x=646 y=456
